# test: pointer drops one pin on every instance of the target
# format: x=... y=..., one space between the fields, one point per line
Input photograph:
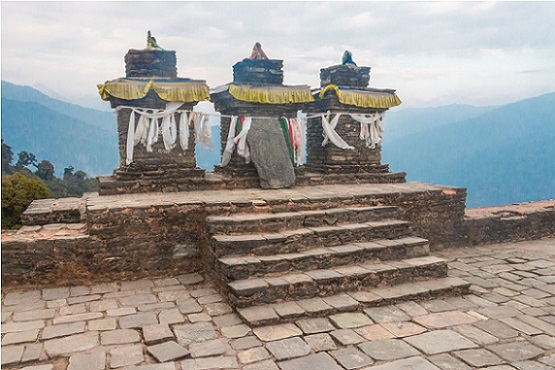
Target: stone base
x=339 y=168
x=154 y=179
x=311 y=174
x=239 y=175
x=148 y=172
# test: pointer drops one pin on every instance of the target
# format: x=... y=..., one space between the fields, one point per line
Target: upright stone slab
x=257 y=92
x=151 y=85
x=345 y=100
x=269 y=154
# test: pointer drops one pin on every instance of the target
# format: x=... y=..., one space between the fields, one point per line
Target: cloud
x=429 y=51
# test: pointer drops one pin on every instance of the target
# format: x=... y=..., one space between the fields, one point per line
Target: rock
x=270 y=155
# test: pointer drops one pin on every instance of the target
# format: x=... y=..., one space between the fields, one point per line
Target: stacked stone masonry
x=286 y=256
x=150 y=63
x=157 y=233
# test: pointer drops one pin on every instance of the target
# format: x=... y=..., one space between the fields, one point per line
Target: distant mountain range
x=63 y=133
x=503 y=154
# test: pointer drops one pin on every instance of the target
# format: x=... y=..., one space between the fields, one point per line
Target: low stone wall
x=515 y=222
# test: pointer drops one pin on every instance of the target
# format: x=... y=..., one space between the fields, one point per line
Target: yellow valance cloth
x=272 y=94
x=182 y=91
x=363 y=99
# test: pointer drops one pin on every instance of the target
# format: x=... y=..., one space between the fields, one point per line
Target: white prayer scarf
x=330 y=134
x=203 y=132
x=148 y=130
x=184 y=131
x=371 y=128
x=241 y=140
x=300 y=129
x=230 y=143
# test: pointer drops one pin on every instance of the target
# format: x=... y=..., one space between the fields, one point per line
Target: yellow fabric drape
x=363 y=99
x=169 y=91
x=271 y=95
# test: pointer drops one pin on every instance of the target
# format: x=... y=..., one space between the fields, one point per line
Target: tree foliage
x=7 y=158
x=25 y=159
x=20 y=185
x=18 y=191
x=45 y=170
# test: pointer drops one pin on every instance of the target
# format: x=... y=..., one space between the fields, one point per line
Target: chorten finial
x=257 y=52
x=348 y=58
x=151 y=42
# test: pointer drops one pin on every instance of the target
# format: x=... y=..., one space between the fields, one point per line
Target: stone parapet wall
x=515 y=222
x=49 y=260
x=54 y=211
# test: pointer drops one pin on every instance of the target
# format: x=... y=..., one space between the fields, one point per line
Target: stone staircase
x=278 y=266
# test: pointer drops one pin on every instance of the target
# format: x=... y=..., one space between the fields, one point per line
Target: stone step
x=298 y=240
x=350 y=301
x=54 y=211
x=270 y=222
x=274 y=288
x=242 y=267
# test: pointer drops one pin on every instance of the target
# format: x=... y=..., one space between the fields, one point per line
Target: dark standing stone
x=270 y=155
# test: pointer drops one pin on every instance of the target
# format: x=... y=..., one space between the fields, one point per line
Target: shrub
x=18 y=192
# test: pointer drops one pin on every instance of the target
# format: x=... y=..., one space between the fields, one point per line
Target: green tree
x=18 y=192
x=45 y=170
x=68 y=173
x=25 y=159
x=7 y=158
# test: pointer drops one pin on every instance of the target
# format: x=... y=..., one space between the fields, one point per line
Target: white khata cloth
x=371 y=128
x=239 y=141
x=299 y=129
x=203 y=131
x=330 y=134
x=154 y=123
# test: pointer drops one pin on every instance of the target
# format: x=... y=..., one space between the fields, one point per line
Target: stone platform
x=181 y=322
x=137 y=235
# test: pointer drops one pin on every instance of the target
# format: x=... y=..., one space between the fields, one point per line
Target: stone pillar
x=151 y=70
x=257 y=76
x=330 y=159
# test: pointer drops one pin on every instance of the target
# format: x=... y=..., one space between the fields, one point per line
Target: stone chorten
x=162 y=154
x=257 y=95
x=354 y=112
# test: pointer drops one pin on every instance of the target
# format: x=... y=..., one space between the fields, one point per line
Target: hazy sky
x=433 y=53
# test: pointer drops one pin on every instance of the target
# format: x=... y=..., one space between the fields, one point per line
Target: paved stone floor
x=506 y=322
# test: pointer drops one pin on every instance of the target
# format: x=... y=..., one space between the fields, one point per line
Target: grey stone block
x=288 y=348
x=388 y=349
x=87 y=361
x=167 y=351
x=207 y=348
x=318 y=361
x=440 y=341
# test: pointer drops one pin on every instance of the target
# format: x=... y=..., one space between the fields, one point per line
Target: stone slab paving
x=506 y=322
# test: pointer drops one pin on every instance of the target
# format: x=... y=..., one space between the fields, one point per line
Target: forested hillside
x=501 y=154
